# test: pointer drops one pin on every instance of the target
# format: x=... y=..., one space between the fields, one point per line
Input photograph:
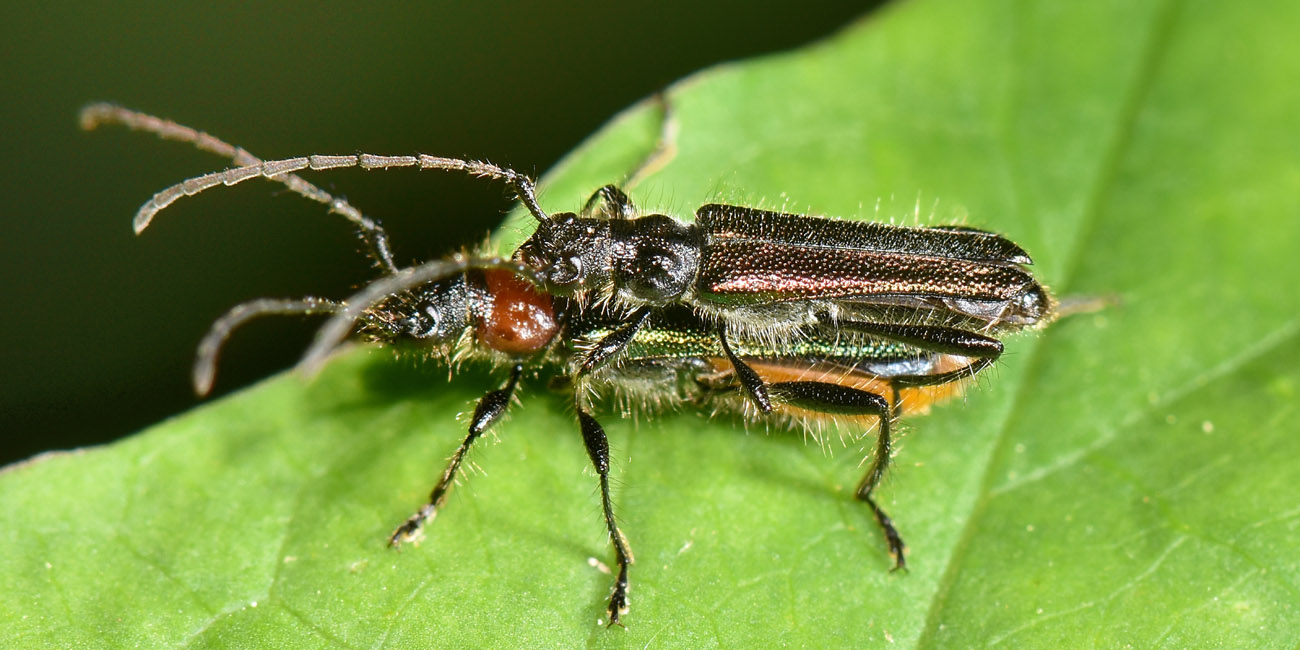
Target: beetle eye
x=567 y=271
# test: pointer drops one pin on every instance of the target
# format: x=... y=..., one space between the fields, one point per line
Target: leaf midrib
x=1157 y=44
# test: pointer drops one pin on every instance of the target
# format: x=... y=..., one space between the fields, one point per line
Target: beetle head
x=571 y=253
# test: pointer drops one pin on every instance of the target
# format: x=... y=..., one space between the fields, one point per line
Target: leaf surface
x=1125 y=478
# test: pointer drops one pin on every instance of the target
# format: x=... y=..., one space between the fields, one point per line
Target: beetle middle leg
x=754 y=388
x=489 y=410
x=593 y=436
x=614 y=343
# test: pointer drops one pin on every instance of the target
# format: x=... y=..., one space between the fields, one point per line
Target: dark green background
x=99 y=326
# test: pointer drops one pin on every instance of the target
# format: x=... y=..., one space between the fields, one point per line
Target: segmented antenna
x=347 y=313
x=274 y=169
x=337 y=328
x=205 y=361
x=282 y=170
x=104 y=113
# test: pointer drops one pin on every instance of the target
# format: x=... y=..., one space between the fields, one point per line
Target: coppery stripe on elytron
x=752 y=272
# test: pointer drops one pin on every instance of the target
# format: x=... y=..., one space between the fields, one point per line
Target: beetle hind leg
x=880 y=463
x=834 y=399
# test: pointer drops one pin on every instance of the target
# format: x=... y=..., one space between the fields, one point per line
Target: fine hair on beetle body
x=747 y=273
x=777 y=317
x=755 y=272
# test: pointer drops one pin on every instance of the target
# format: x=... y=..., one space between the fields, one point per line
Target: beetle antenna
x=337 y=328
x=274 y=169
x=374 y=234
x=665 y=144
x=205 y=362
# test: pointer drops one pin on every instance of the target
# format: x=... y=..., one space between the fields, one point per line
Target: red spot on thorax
x=518 y=320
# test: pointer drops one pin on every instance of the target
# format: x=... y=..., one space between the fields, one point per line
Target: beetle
x=754 y=272
x=748 y=272
x=859 y=323
x=485 y=310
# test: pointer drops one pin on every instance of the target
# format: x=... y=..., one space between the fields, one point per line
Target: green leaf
x=1120 y=479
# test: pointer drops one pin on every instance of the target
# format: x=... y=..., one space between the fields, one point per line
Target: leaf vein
x=1265 y=345
x=1108 y=168
x=1131 y=584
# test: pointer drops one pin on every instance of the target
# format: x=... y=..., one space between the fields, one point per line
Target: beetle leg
x=884 y=447
x=593 y=435
x=609 y=202
x=489 y=410
x=900 y=382
x=614 y=342
x=842 y=400
x=752 y=384
x=614 y=202
x=932 y=338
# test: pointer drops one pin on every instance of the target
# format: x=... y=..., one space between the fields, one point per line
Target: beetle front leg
x=593 y=435
x=609 y=202
x=613 y=200
x=489 y=410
